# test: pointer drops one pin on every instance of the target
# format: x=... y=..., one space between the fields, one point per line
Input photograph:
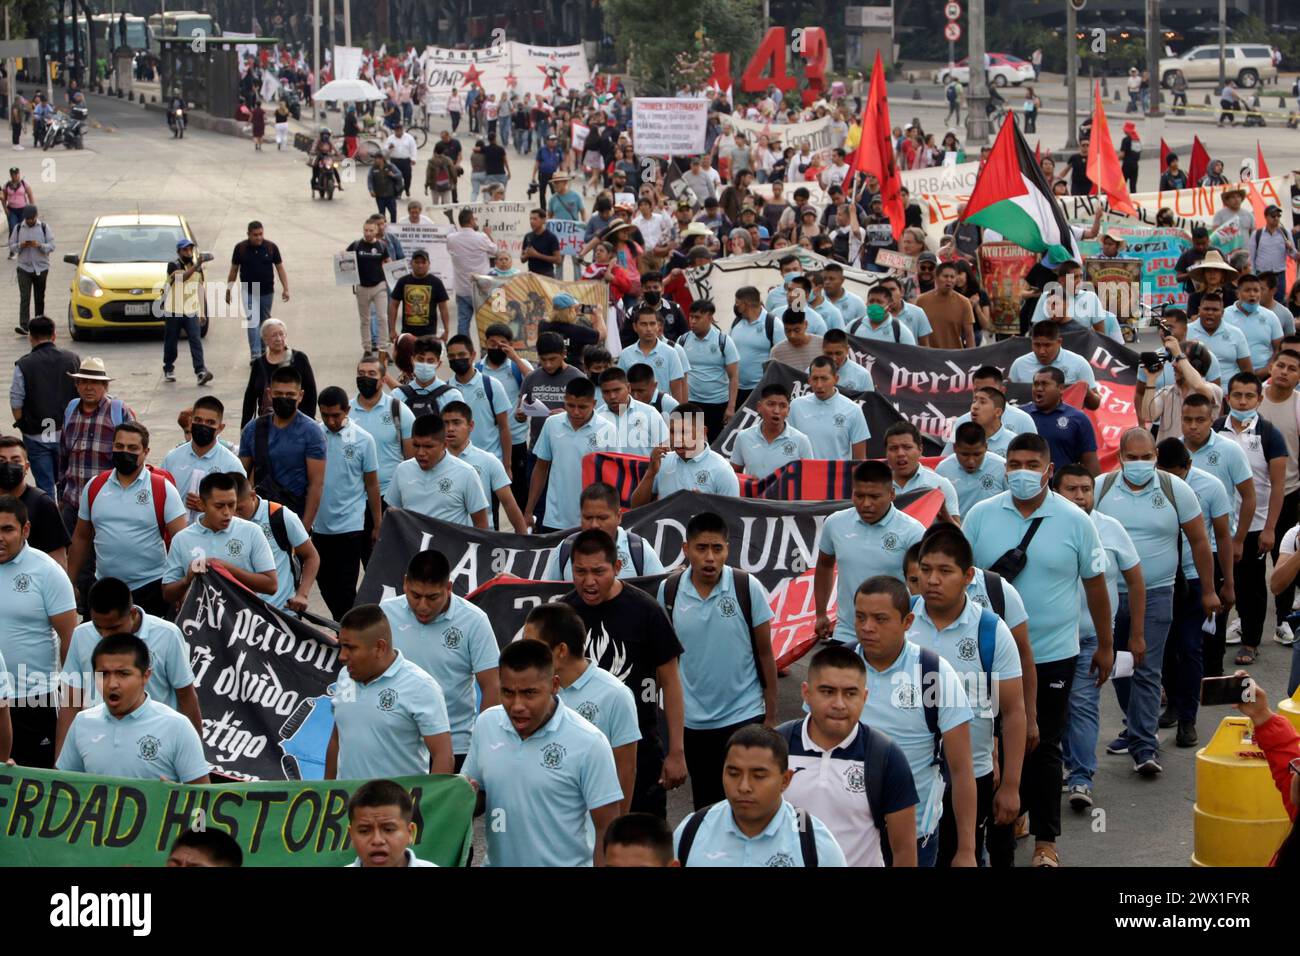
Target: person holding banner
x=833 y=422
x=685 y=462
x=458 y=418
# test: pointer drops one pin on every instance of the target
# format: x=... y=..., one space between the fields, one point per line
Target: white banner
x=942 y=180
x=668 y=126
x=505 y=67
x=432 y=239
x=347 y=62
x=507 y=221
x=345 y=268
x=817 y=134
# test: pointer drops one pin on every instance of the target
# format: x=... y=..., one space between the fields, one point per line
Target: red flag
x=1103 y=164
x=1199 y=164
x=1038 y=152
x=1164 y=156
x=1261 y=167
x=1257 y=204
x=875 y=153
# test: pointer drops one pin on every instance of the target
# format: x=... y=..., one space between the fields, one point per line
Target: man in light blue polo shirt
x=458 y=420
x=374 y=409
x=595 y=694
x=903 y=455
x=448 y=638
x=425 y=392
x=755 y=331
x=390 y=718
x=490 y=403
x=755 y=826
x=821 y=305
x=435 y=482
x=1260 y=326
x=849 y=303
x=778 y=296
x=974 y=472
x=909 y=313
x=129 y=735
x=203 y=453
x=1227 y=342
x=728 y=671
x=541 y=766
x=564 y=441
x=1013 y=417
x=508 y=369
x=898 y=691
x=651 y=349
x=1224 y=459
x=1045 y=340
x=988 y=406
x=641 y=381
x=171 y=681
x=833 y=422
x=879 y=324
x=686 y=462
x=638 y=428
x=1063 y=550
x=851 y=375
x=122 y=525
x=771 y=442
x=296 y=560
x=948 y=623
x=863 y=541
x=219 y=539
x=601 y=510
x=714 y=367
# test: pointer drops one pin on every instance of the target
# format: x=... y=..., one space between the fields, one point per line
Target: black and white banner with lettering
x=262 y=678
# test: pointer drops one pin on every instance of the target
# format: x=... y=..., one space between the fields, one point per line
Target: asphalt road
x=219 y=183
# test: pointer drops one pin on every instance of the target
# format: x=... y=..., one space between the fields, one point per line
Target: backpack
x=996 y=589
x=441 y=179
x=12 y=187
x=423 y=403
x=635 y=547
x=115 y=411
x=740 y=583
x=986 y=638
x=514 y=371
x=158 y=480
x=1166 y=489
x=722 y=343
x=280 y=532
x=876 y=746
x=267 y=486
x=807 y=838
x=952 y=93
x=894 y=324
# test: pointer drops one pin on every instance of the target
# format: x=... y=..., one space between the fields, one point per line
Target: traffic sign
x=952 y=10
x=1078 y=5
x=952 y=32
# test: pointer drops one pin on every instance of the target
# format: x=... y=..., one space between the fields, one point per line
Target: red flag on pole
x=1199 y=164
x=1261 y=167
x=1164 y=156
x=1038 y=151
x=1257 y=204
x=1103 y=164
x=875 y=152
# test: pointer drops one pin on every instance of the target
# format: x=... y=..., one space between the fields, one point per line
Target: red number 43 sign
x=769 y=65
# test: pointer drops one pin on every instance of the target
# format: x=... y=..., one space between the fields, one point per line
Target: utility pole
x=1223 y=40
x=1071 y=76
x=315 y=50
x=767 y=15
x=977 y=119
x=1154 y=48
x=331 y=35
x=347 y=22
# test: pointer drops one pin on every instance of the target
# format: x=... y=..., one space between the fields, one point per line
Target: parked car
x=1003 y=69
x=1247 y=63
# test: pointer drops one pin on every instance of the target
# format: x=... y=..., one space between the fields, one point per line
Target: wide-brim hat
x=696 y=229
x=1213 y=260
x=615 y=226
x=1234 y=191
x=559 y=177
x=92 y=369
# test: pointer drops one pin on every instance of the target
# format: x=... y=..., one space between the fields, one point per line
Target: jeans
x=1079 y=743
x=44 y=459
x=387 y=205
x=173 y=324
x=1139 y=695
x=503 y=129
x=455 y=120
x=30 y=283
x=464 y=314
x=1031 y=121
x=15 y=215
x=491 y=178
x=1183 y=665
x=476 y=181
x=256 y=316
x=927 y=850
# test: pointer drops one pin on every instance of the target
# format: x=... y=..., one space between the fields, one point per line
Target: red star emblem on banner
x=555 y=73
x=472 y=76
x=512 y=80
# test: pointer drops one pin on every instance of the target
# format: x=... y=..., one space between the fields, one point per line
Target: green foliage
x=651 y=37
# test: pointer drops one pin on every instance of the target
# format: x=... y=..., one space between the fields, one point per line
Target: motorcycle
x=176 y=120
x=289 y=96
x=322 y=176
x=55 y=131
x=77 y=124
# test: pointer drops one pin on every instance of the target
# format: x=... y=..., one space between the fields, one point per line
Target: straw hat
x=92 y=370
x=1234 y=191
x=1213 y=260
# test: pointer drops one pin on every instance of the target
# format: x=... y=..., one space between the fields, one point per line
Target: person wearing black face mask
x=507 y=370
x=490 y=404
x=670 y=313
x=202 y=454
x=389 y=421
x=283 y=453
x=48 y=533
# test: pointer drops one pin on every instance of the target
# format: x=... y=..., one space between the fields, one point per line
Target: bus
x=181 y=23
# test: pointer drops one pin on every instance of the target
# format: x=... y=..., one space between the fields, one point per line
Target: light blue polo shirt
x=150 y=742
x=998 y=442
x=184 y=463
x=719 y=673
x=546 y=787
x=662 y=358
x=169 y=657
x=1261 y=330
x=34 y=588
x=854 y=377
x=1073 y=366
x=378 y=421
x=382 y=724
x=487 y=400
x=924 y=478
x=914 y=317
x=1215 y=503
x=509 y=378
x=894 y=708
x=666 y=402
x=1120 y=556
x=850 y=305
x=757 y=456
x=449 y=491
x=489 y=468
x=565 y=447
x=829 y=312
x=884 y=332
x=242 y=545
x=1064 y=550
x=350 y=455
x=1019 y=421
x=862 y=551
x=709 y=359
x=719 y=842
x=833 y=426
x=452 y=648
x=128 y=543
x=1013 y=610
x=650 y=563
x=1226 y=460
x=638 y=429
x=707 y=472
x=1152 y=522
x=1228 y=343
x=973 y=487
x=297 y=535
x=604 y=701
x=753 y=346
x=958 y=644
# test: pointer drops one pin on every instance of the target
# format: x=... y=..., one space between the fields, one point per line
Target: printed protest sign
x=669 y=126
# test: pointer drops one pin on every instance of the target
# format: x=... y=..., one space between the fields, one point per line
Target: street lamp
x=1072 y=8
x=977 y=117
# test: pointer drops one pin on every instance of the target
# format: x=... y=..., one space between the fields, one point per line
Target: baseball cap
x=927 y=257
x=564 y=301
x=184 y=244
x=1272 y=210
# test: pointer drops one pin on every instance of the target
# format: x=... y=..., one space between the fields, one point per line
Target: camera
x=1152 y=361
x=532 y=190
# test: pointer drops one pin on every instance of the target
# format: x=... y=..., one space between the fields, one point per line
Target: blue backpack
x=987 y=640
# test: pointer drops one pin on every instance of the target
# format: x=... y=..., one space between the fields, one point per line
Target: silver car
x=1247 y=63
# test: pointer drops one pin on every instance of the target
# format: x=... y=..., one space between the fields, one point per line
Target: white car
x=1003 y=69
x=1247 y=63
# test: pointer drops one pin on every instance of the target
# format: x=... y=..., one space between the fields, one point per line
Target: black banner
x=262 y=678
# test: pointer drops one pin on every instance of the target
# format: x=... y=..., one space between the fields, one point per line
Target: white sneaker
x=1234 y=632
x=1282 y=635
x=1295 y=601
x=19 y=146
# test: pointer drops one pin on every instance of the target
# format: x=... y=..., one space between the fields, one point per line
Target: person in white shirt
x=471 y=252
x=402 y=152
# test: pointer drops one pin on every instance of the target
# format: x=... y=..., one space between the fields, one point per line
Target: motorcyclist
x=177 y=102
x=324 y=148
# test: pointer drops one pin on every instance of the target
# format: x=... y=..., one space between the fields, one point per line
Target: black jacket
x=257 y=396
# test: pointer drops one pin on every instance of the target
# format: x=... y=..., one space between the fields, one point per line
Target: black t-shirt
x=1185 y=262
x=48 y=531
x=1079 y=183
x=546 y=243
x=630 y=636
x=419 y=298
x=257 y=263
x=370 y=261
x=494 y=159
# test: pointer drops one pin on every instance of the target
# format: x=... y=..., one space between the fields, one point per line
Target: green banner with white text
x=52 y=818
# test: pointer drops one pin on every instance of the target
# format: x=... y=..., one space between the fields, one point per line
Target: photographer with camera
x=1162 y=407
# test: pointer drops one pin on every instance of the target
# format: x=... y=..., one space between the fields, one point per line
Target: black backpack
x=280 y=532
x=807 y=838
x=635 y=547
x=740 y=582
x=424 y=403
x=895 y=325
x=877 y=750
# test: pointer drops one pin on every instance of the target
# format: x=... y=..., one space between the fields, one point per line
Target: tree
x=651 y=36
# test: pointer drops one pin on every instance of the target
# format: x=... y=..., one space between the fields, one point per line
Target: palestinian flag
x=1012 y=197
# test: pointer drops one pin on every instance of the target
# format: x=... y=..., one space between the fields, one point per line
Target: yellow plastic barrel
x=1290 y=709
x=1239 y=819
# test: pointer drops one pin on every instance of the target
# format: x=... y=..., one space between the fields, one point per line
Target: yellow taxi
x=122 y=273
